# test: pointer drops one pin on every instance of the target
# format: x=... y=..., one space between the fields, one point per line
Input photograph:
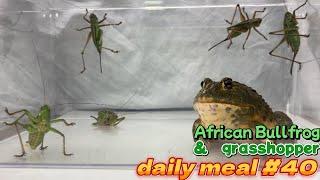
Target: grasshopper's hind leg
x=230 y=43
x=230 y=40
x=282 y=57
x=234 y=15
x=21 y=144
x=82 y=52
x=100 y=62
x=63 y=141
x=25 y=126
x=111 y=50
x=249 y=31
x=271 y=52
x=294 y=61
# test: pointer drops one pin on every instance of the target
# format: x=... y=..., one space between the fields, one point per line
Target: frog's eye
x=206 y=83
x=227 y=82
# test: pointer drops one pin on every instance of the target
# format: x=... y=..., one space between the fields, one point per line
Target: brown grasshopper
x=244 y=26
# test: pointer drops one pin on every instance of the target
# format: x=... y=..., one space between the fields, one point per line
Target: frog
x=234 y=105
x=107 y=117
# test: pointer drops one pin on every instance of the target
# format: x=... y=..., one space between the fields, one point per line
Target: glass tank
x=146 y=61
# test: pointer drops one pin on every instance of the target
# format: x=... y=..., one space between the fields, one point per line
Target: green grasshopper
x=291 y=35
x=37 y=127
x=96 y=35
x=107 y=118
x=245 y=25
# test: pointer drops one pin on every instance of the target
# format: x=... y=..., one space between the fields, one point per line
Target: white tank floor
x=141 y=135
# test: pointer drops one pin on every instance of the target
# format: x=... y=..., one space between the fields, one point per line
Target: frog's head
x=93 y=18
x=230 y=103
x=215 y=92
x=44 y=113
x=229 y=92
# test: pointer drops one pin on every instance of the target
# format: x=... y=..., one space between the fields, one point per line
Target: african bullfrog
x=234 y=105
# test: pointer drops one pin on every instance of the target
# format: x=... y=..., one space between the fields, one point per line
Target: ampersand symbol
x=200 y=149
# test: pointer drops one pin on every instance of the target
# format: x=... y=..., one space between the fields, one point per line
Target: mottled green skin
x=107 y=118
x=282 y=118
x=239 y=95
x=251 y=107
x=290 y=24
x=37 y=126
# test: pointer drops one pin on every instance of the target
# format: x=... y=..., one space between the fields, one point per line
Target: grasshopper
x=107 y=118
x=291 y=35
x=246 y=24
x=96 y=35
x=37 y=127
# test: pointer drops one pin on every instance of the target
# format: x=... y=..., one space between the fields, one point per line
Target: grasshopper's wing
x=97 y=38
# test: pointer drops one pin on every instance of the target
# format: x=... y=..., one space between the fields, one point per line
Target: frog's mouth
x=216 y=113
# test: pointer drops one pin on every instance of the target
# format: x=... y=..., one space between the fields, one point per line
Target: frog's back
x=282 y=119
x=250 y=96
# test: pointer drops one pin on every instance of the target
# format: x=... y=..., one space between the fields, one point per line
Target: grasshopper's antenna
x=312 y=6
x=294 y=11
x=283 y=1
